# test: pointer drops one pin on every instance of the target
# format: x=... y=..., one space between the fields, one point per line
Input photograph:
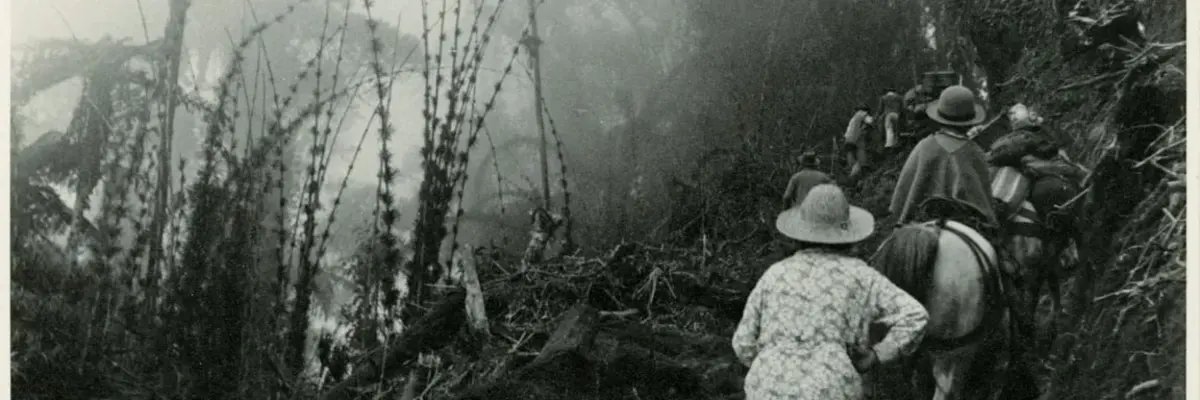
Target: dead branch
x=434 y=330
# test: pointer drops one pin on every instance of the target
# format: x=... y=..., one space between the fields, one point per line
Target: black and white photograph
x=598 y=200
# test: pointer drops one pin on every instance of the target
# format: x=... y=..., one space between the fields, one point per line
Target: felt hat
x=825 y=216
x=808 y=159
x=956 y=106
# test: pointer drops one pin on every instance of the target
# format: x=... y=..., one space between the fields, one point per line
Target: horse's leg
x=921 y=376
x=1030 y=320
x=950 y=372
x=1052 y=280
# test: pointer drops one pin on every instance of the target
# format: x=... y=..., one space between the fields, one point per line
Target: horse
x=1035 y=243
x=954 y=271
x=1035 y=262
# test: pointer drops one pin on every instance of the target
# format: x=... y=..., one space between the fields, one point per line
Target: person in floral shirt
x=805 y=329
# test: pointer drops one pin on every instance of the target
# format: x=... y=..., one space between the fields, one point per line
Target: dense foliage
x=217 y=230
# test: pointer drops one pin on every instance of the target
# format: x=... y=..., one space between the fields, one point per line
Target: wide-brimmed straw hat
x=825 y=216
x=956 y=106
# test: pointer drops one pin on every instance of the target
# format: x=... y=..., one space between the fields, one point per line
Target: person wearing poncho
x=947 y=164
x=805 y=329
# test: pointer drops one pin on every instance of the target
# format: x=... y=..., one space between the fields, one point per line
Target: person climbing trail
x=891 y=105
x=854 y=145
x=805 y=330
x=948 y=165
x=915 y=101
x=804 y=180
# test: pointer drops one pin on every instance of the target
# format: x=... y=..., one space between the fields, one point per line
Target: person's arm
x=745 y=339
x=849 y=135
x=902 y=314
x=789 y=192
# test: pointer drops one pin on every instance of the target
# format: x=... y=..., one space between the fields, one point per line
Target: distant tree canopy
x=646 y=89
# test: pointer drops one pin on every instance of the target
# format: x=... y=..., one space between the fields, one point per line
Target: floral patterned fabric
x=804 y=316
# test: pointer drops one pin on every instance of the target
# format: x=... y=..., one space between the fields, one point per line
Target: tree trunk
x=168 y=76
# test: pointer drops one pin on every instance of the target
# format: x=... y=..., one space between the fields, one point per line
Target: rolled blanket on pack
x=1009 y=149
x=1038 y=168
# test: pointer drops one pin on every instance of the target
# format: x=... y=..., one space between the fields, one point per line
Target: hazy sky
x=92 y=19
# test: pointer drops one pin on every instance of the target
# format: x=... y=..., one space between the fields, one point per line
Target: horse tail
x=906 y=258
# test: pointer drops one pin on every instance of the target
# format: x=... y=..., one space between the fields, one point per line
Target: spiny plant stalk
x=459 y=175
x=456 y=95
x=329 y=130
x=310 y=201
x=217 y=255
x=568 y=240
x=316 y=154
x=386 y=209
x=444 y=156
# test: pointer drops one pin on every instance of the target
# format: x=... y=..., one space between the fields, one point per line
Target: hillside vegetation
x=206 y=272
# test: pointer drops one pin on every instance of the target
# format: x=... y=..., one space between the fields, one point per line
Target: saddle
x=1043 y=199
x=939 y=208
x=999 y=285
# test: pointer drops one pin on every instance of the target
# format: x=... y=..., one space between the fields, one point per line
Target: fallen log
x=584 y=358
x=671 y=342
x=572 y=339
x=433 y=330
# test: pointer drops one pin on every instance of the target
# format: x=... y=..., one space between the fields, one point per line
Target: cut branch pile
x=580 y=328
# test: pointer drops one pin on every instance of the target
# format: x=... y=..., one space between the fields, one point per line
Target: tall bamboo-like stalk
x=169 y=78
x=533 y=42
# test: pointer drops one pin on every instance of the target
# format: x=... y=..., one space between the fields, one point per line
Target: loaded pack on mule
x=1030 y=164
x=946 y=252
x=1038 y=190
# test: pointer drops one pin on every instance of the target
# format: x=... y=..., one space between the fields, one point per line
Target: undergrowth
x=214 y=273
x=180 y=272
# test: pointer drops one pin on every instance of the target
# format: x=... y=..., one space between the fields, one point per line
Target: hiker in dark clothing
x=804 y=180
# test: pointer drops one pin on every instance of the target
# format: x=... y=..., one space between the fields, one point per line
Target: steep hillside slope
x=1122 y=111
x=666 y=313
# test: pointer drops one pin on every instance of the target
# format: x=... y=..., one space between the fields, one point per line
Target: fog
x=675 y=120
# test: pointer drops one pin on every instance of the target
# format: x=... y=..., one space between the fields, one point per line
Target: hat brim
x=792 y=224
x=932 y=111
